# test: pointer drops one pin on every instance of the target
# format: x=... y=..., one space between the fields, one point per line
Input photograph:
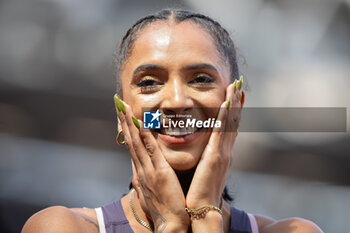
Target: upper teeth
x=178 y=131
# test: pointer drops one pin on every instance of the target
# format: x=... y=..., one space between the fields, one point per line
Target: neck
x=185 y=179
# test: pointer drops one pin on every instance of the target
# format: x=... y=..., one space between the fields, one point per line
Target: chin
x=184 y=154
x=182 y=160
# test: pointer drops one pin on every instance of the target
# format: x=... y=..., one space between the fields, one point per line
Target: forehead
x=175 y=44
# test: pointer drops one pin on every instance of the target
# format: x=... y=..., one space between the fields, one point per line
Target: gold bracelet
x=202 y=211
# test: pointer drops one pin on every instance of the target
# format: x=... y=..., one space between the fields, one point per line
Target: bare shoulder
x=288 y=225
x=59 y=219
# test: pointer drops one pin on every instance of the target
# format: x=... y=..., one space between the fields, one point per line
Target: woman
x=179 y=63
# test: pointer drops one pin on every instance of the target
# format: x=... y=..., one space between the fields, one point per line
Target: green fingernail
x=239 y=85
x=116 y=101
x=240 y=82
x=136 y=122
x=118 y=114
x=234 y=86
x=120 y=104
x=228 y=103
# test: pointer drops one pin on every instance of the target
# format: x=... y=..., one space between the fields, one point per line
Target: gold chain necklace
x=143 y=223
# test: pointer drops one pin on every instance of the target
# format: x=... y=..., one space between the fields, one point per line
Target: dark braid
x=221 y=37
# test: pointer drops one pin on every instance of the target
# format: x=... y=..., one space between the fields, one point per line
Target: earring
x=118 y=136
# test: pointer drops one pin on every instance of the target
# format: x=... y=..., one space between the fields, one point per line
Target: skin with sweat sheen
x=177 y=58
x=173 y=65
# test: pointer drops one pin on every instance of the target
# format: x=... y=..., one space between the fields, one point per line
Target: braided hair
x=221 y=37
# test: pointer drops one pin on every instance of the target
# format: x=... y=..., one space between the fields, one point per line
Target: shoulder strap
x=100 y=220
x=240 y=222
x=253 y=223
x=112 y=219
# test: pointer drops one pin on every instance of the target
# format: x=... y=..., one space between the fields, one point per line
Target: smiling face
x=175 y=67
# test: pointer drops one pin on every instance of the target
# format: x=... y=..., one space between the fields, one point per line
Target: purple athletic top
x=115 y=221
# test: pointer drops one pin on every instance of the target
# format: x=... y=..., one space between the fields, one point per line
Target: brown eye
x=148 y=84
x=202 y=79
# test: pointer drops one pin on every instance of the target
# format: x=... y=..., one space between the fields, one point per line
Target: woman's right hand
x=156 y=180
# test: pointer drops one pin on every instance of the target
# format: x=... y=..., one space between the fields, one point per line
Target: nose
x=176 y=97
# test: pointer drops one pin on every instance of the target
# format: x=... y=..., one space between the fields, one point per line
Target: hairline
x=172 y=20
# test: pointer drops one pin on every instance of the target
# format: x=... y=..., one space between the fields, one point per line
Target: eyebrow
x=146 y=67
x=199 y=66
x=202 y=66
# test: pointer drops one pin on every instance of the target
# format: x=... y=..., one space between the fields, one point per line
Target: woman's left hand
x=211 y=173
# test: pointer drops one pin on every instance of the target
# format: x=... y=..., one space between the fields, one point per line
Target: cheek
x=211 y=102
x=212 y=99
x=141 y=103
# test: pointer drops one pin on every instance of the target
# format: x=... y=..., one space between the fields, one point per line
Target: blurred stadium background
x=57 y=120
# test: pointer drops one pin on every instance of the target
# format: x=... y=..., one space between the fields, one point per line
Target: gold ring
x=118 y=136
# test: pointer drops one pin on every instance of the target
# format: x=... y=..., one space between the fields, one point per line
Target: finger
x=137 y=144
x=238 y=104
x=153 y=150
x=216 y=137
x=135 y=178
x=127 y=136
x=234 y=116
x=238 y=90
x=234 y=113
x=144 y=144
x=136 y=183
x=217 y=133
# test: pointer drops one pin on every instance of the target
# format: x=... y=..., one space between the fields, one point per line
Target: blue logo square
x=151 y=120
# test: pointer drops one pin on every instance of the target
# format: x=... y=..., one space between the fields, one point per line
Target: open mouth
x=178 y=132
x=178 y=136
